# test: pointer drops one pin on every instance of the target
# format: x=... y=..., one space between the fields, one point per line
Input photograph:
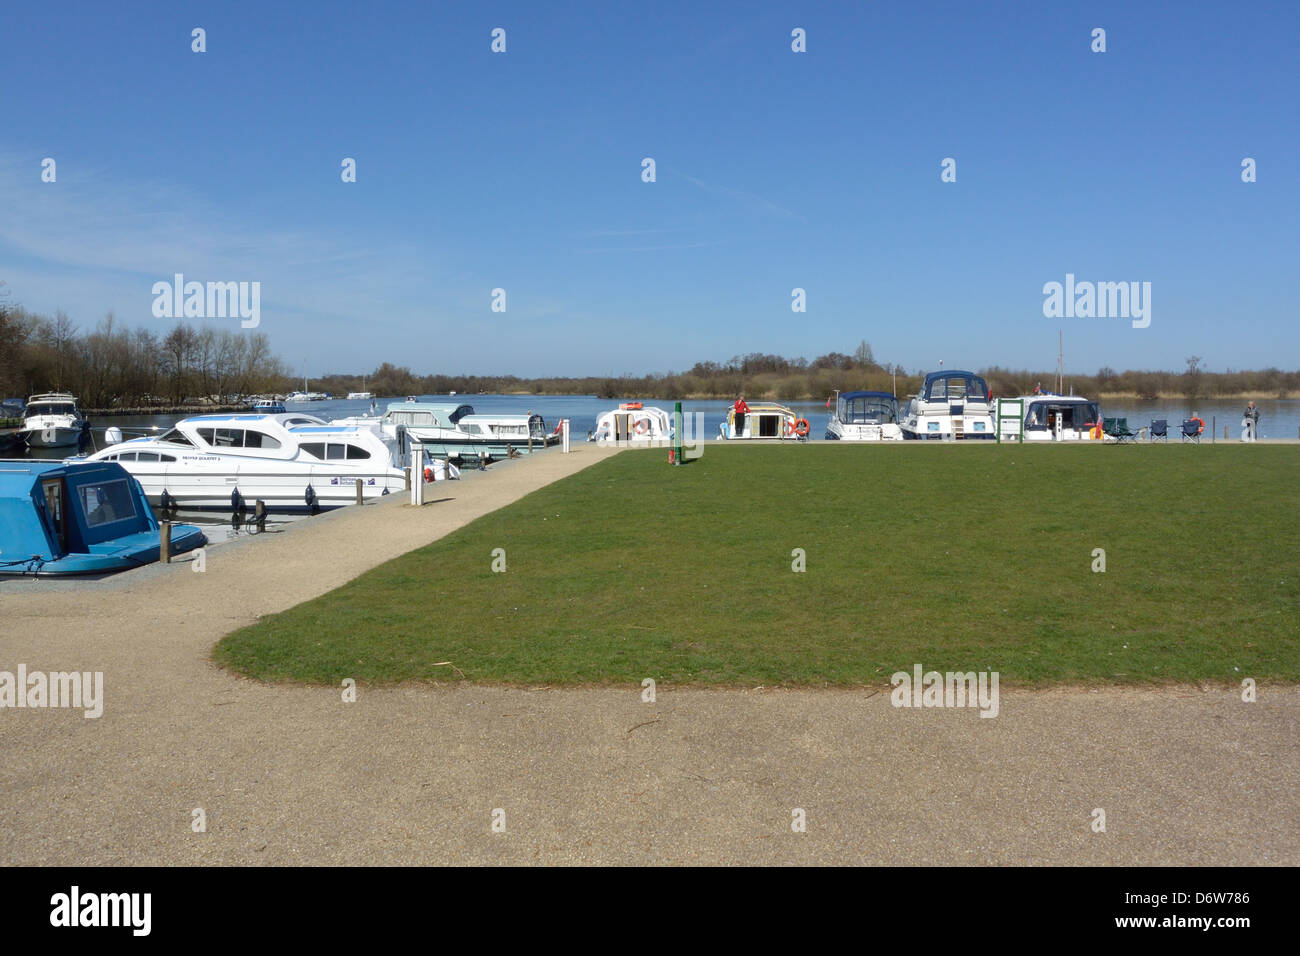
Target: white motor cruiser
x=292 y=462
x=52 y=420
x=951 y=405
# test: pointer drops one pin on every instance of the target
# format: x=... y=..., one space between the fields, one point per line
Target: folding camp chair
x=1192 y=431
x=1160 y=430
x=1117 y=428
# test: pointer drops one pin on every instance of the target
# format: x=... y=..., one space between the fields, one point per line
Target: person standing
x=1250 y=423
x=741 y=410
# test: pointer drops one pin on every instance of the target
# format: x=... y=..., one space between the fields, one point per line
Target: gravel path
x=413 y=774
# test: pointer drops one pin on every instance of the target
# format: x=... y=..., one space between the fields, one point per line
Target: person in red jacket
x=741 y=410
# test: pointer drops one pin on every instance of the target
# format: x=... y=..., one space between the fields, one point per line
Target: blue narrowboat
x=61 y=518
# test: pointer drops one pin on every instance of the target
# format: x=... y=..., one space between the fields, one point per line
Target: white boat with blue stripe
x=292 y=462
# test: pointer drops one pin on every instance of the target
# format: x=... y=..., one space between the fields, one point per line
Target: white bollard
x=417 y=475
x=565 y=433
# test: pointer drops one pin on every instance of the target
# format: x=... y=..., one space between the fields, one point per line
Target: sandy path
x=412 y=774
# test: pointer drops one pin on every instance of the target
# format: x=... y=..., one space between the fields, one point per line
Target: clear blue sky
x=775 y=170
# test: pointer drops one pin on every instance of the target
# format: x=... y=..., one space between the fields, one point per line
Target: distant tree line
x=111 y=365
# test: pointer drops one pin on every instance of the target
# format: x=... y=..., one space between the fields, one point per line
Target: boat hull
x=281 y=493
x=63 y=436
x=122 y=555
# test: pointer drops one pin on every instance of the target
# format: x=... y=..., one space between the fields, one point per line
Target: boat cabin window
x=1075 y=415
x=106 y=501
x=237 y=438
x=253 y=439
x=334 y=451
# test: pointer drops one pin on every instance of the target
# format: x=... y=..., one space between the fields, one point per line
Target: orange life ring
x=642 y=426
x=1200 y=424
x=802 y=428
x=559 y=427
x=630 y=406
x=790 y=427
x=428 y=474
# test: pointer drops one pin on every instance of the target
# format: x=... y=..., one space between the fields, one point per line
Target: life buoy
x=559 y=427
x=642 y=426
x=1200 y=424
x=630 y=406
x=428 y=474
x=790 y=426
x=802 y=428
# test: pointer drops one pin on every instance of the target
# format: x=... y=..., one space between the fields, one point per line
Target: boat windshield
x=869 y=410
x=51 y=408
x=176 y=437
x=1042 y=415
x=958 y=388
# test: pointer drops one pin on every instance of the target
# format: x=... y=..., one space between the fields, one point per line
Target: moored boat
x=452 y=430
x=763 y=420
x=60 y=518
x=632 y=422
x=52 y=420
x=951 y=405
x=1051 y=417
x=292 y=462
x=864 y=416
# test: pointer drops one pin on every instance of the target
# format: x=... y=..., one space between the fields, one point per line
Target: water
x=1278 y=418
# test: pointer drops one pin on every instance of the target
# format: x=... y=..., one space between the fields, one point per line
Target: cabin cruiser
x=359 y=396
x=455 y=431
x=301 y=398
x=1051 y=417
x=61 y=518
x=632 y=422
x=864 y=416
x=269 y=406
x=951 y=405
x=52 y=420
x=763 y=420
x=292 y=462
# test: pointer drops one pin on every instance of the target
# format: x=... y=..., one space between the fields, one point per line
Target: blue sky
x=775 y=170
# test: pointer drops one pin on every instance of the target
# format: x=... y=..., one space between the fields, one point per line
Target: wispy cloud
x=751 y=201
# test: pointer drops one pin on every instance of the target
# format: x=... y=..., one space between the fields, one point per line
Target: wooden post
x=530 y=441
x=359 y=495
x=408 y=477
x=165 y=542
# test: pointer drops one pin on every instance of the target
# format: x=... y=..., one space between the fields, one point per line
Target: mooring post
x=417 y=486
x=165 y=542
x=564 y=447
x=530 y=443
x=359 y=491
x=407 y=469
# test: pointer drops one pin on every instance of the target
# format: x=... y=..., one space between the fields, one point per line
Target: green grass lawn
x=957 y=558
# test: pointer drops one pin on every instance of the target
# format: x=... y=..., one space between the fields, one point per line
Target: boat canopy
x=427 y=414
x=868 y=408
x=76 y=517
x=954 y=385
